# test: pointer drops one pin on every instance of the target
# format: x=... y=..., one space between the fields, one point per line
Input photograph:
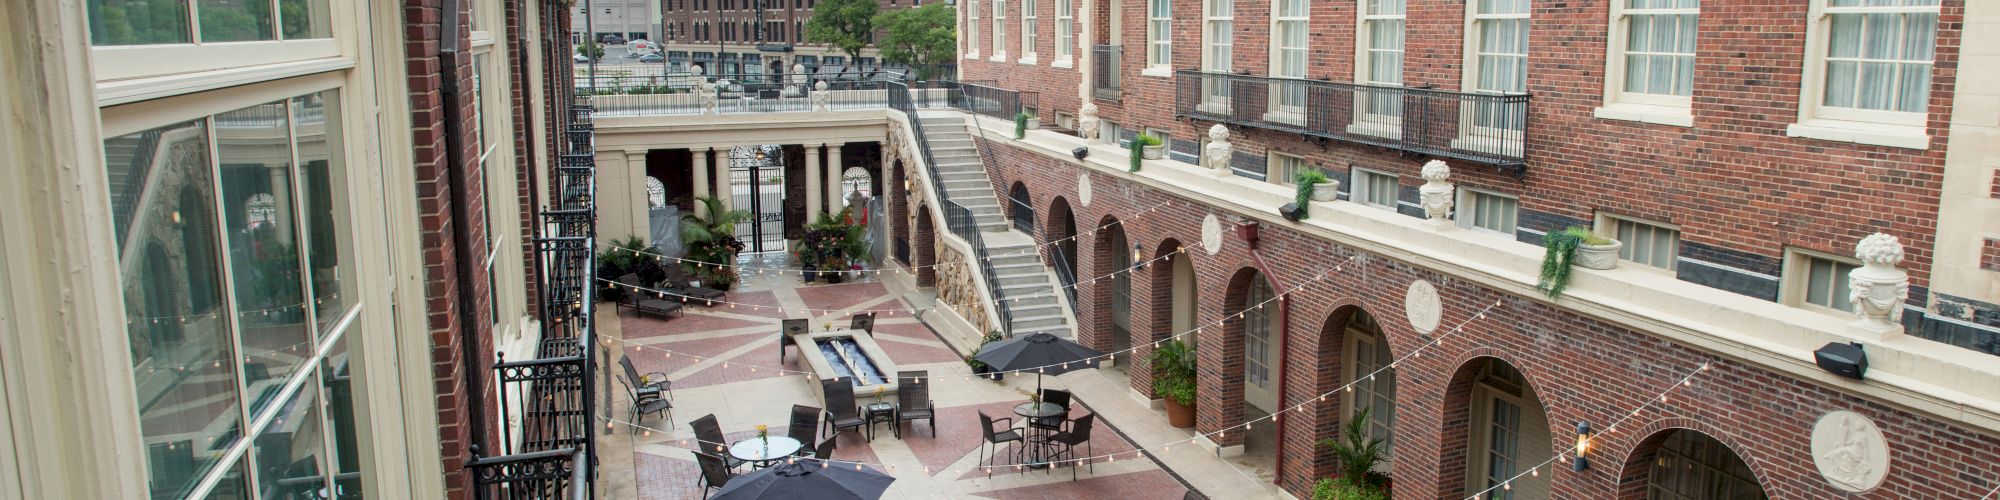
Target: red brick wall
x=1056 y=88
x=1582 y=369
x=1734 y=181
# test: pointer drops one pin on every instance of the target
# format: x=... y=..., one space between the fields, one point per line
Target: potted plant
x=1153 y=148
x=1024 y=121
x=1358 y=455
x=832 y=244
x=1174 y=380
x=1577 y=246
x=619 y=260
x=712 y=243
x=1315 y=185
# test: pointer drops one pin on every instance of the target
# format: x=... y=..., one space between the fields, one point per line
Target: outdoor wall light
x=1138 y=256
x=1583 y=435
x=908 y=185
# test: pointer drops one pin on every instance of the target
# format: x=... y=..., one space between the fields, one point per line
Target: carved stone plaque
x=1211 y=234
x=1083 y=189
x=1849 y=451
x=1422 y=305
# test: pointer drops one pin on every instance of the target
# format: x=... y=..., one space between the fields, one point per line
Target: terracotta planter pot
x=1179 y=415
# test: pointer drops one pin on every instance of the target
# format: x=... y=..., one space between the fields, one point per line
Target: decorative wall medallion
x=1421 y=304
x=1083 y=189
x=1849 y=451
x=1211 y=234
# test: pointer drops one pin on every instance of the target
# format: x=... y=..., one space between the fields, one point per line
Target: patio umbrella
x=1052 y=355
x=805 y=480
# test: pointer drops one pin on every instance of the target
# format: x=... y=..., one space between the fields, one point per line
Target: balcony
x=1106 y=81
x=1477 y=127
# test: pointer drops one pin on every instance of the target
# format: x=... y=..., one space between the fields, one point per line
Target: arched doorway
x=1170 y=297
x=899 y=211
x=1111 y=256
x=1507 y=432
x=1021 y=208
x=1062 y=254
x=1352 y=336
x=926 y=251
x=1685 y=464
x=1252 y=330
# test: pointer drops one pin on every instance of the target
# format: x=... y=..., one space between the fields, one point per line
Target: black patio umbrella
x=806 y=479
x=1044 y=352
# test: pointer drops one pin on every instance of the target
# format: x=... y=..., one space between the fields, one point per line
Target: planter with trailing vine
x=1575 y=246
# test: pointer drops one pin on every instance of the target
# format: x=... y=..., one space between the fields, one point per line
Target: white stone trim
x=1158 y=71
x=1876 y=134
x=1646 y=113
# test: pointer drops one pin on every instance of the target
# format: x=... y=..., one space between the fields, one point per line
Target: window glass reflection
x=137 y=22
x=253 y=146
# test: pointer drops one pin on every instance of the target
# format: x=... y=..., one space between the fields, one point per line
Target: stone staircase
x=1017 y=265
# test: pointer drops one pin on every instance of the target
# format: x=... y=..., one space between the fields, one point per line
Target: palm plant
x=1174 y=371
x=712 y=240
x=1357 y=452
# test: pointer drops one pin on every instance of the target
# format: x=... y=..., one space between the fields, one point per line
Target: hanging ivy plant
x=1560 y=253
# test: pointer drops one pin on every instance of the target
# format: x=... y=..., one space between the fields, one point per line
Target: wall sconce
x=1138 y=257
x=908 y=186
x=1583 y=435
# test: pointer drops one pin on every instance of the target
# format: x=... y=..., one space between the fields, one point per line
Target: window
x=1159 y=33
x=1503 y=429
x=1161 y=134
x=1065 y=121
x=235 y=279
x=1498 y=56
x=1374 y=381
x=1218 y=47
x=1000 y=27
x=1818 y=280
x=1288 y=58
x=1487 y=211
x=1065 y=29
x=1028 y=32
x=1650 y=243
x=174 y=32
x=972 y=28
x=1374 y=188
x=1284 y=167
x=1109 y=131
x=1657 y=43
x=1380 y=37
x=1876 y=61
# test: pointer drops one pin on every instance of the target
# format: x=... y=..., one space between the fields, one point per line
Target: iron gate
x=757 y=184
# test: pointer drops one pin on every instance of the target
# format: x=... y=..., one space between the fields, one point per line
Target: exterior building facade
x=628 y=19
x=291 y=237
x=733 y=37
x=1744 y=153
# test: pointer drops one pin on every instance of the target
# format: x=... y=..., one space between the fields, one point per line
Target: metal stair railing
x=958 y=219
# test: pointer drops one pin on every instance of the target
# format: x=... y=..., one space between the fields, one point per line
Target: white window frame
x=1468 y=211
x=1366 y=119
x=1865 y=126
x=1359 y=189
x=1357 y=342
x=1218 y=34
x=1797 y=277
x=1607 y=226
x=1288 y=100
x=1277 y=172
x=1159 y=38
x=1620 y=104
x=1029 y=34
x=1108 y=131
x=1474 y=31
x=111 y=63
x=972 y=29
x=1166 y=139
x=1000 y=30
x=1065 y=33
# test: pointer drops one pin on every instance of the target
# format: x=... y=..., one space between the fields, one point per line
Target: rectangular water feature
x=845 y=357
x=852 y=355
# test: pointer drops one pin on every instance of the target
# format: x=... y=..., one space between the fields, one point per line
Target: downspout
x=461 y=216
x=1284 y=344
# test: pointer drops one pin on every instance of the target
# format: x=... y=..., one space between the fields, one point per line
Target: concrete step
x=1020 y=279
x=1059 y=331
x=943 y=134
x=1007 y=258
x=964 y=175
x=1042 y=300
x=978 y=192
x=1040 y=317
x=941 y=120
x=938 y=145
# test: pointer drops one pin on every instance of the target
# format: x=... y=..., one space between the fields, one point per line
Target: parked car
x=580 y=59
x=612 y=40
x=642 y=45
x=652 y=58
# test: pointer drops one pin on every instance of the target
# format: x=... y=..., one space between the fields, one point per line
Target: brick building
x=1739 y=151
x=755 y=36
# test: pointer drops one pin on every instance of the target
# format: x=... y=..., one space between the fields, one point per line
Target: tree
x=846 y=24
x=589 y=48
x=921 y=38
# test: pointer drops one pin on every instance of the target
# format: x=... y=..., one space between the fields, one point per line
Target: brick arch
x=1152 y=311
x=925 y=250
x=1219 y=393
x=899 y=213
x=1635 y=470
x=1021 y=205
x=1098 y=276
x=1455 y=460
x=1057 y=233
x=1328 y=376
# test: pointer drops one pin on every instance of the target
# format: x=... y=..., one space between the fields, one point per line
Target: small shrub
x=1139 y=145
x=1021 y=125
x=1341 y=488
x=1305 y=180
x=1560 y=250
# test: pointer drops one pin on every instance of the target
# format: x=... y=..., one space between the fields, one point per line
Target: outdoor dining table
x=1032 y=411
x=760 y=453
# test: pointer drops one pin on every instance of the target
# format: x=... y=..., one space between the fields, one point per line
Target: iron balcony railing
x=1480 y=127
x=958 y=219
x=983 y=98
x=683 y=94
x=1106 y=81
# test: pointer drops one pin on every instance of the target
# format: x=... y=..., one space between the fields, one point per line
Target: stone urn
x=1598 y=256
x=1326 y=191
x=1154 y=152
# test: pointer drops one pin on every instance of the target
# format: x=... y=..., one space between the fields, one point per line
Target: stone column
x=833 y=178
x=641 y=207
x=701 y=186
x=612 y=214
x=813 y=189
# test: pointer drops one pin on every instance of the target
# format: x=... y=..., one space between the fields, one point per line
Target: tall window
x=1381 y=40
x=1288 y=56
x=1028 y=31
x=1499 y=59
x=1690 y=466
x=1218 y=46
x=1065 y=29
x=1284 y=167
x=1159 y=33
x=1658 y=51
x=1878 y=57
x=971 y=27
x=178 y=30
x=999 y=27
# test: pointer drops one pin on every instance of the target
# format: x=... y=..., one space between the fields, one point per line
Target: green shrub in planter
x=1340 y=488
x=1139 y=145
x=1021 y=125
x=1305 y=181
x=1559 y=254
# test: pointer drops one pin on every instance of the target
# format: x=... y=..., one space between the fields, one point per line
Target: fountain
x=849 y=354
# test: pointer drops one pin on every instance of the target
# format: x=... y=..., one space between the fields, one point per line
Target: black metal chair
x=825 y=449
x=1078 y=434
x=913 y=400
x=708 y=439
x=1052 y=423
x=996 y=438
x=841 y=412
x=715 y=472
x=649 y=385
x=864 y=322
x=645 y=301
x=805 y=427
x=679 y=283
x=643 y=405
x=787 y=329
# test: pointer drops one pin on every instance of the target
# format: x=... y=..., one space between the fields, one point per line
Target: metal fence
x=983 y=98
x=1481 y=127
x=1106 y=81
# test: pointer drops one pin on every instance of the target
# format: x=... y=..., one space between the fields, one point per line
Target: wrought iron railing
x=983 y=98
x=683 y=93
x=542 y=475
x=1065 y=271
x=1480 y=127
x=958 y=219
x=1023 y=215
x=1106 y=81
